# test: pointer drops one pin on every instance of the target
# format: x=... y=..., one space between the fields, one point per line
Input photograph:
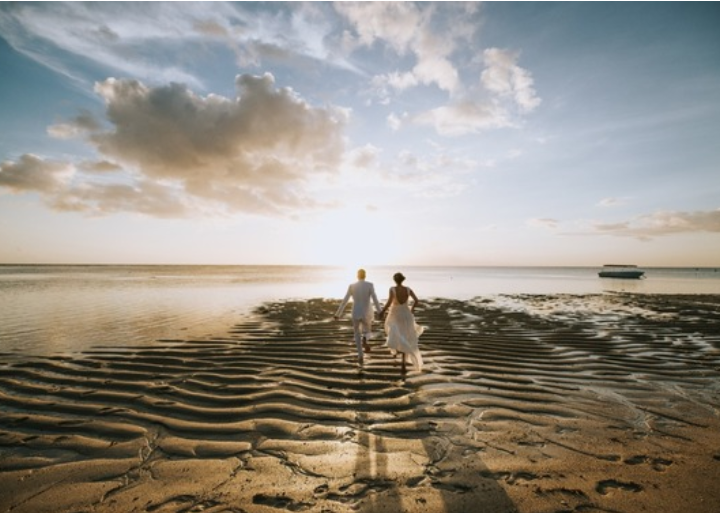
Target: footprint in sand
x=605 y=487
x=510 y=477
x=280 y=502
x=658 y=464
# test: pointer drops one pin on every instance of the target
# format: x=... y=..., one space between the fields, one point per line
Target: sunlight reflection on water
x=50 y=309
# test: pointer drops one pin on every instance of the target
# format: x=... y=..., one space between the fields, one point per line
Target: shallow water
x=48 y=309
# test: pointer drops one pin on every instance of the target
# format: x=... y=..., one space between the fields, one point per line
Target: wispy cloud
x=642 y=227
x=109 y=35
x=544 y=222
x=156 y=42
x=612 y=202
x=438 y=175
x=663 y=223
x=464 y=117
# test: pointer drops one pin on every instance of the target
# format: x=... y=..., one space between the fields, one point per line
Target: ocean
x=57 y=309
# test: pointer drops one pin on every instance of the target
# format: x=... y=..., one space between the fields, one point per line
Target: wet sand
x=514 y=412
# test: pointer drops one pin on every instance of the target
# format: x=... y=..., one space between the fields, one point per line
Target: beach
x=551 y=407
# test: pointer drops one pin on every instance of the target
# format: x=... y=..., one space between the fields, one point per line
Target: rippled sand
x=552 y=407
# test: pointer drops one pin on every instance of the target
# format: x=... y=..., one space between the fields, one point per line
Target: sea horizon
x=529 y=266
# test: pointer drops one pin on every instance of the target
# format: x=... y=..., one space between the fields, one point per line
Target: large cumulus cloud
x=173 y=152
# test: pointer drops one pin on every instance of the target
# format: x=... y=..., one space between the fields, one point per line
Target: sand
x=514 y=412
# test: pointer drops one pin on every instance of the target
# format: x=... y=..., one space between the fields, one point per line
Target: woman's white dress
x=402 y=332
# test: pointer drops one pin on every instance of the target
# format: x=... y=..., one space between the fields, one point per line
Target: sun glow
x=352 y=238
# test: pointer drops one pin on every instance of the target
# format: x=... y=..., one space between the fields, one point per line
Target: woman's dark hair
x=399 y=278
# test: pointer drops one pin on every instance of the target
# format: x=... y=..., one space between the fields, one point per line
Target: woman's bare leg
x=366 y=346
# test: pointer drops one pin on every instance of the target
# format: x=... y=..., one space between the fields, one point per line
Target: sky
x=350 y=134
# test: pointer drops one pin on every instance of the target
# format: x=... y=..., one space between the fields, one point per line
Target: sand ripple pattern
x=505 y=394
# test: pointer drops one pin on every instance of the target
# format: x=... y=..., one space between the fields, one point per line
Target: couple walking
x=400 y=328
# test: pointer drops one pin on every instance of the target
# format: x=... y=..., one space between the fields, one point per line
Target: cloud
x=58 y=185
x=142 y=197
x=100 y=166
x=32 y=173
x=464 y=117
x=249 y=47
x=82 y=123
x=171 y=132
x=364 y=157
x=545 y=223
x=108 y=35
x=439 y=175
x=643 y=227
x=256 y=153
x=505 y=95
x=407 y=28
x=161 y=42
x=436 y=36
x=396 y=80
x=505 y=78
x=157 y=42
x=395 y=23
x=394 y=121
x=612 y=202
x=663 y=223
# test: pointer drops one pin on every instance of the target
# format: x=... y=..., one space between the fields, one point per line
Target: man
x=362 y=314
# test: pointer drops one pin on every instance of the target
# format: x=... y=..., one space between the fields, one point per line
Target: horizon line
x=339 y=266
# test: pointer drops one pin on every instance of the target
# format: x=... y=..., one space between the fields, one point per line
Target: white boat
x=621 y=271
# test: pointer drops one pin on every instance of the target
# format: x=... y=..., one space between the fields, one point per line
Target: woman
x=400 y=328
